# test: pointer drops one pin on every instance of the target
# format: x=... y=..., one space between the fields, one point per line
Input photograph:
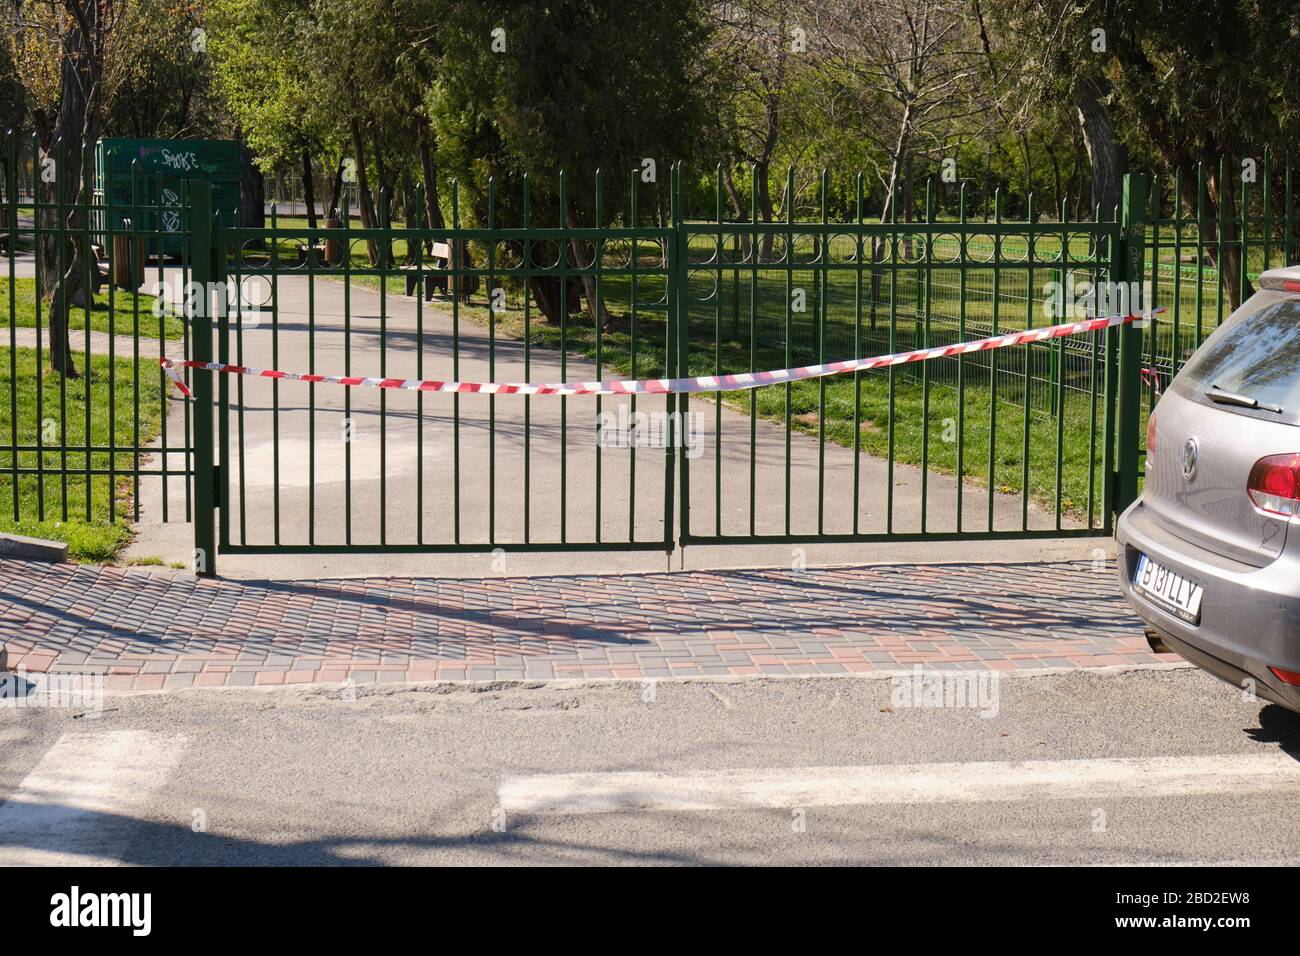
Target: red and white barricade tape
x=666 y=386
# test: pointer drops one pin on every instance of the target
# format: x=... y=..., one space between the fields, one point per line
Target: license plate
x=1168 y=591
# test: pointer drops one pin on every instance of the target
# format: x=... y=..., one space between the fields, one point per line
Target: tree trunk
x=429 y=171
x=763 y=195
x=252 y=189
x=336 y=192
x=595 y=306
x=737 y=207
x=309 y=189
x=384 y=211
x=364 y=200
x=1225 y=251
x=1107 y=158
x=546 y=293
x=1056 y=176
x=62 y=250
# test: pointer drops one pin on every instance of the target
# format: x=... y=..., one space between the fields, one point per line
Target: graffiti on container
x=181 y=161
x=170 y=217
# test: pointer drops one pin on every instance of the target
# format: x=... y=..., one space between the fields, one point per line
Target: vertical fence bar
x=717 y=358
x=924 y=293
x=788 y=255
x=458 y=283
x=675 y=296
x=1029 y=362
x=961 y=357
x=632 y=262
x=36 y=302
x=203 y=256
x=274 y=263
x=892 y=246
x=1132 y=246
x=64 y=319
x=415 y=255
x=134 y=254
x=857 y=354
x=993 y=357
x=822 y=304
x=528 y=350
x=597 y=257
x=564 y=364
x=11 y=224
x=492 y=357
x=754 y=248
x=106 y=237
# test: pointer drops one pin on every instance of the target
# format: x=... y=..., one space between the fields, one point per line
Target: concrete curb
x=32 y=549
x=384 y=688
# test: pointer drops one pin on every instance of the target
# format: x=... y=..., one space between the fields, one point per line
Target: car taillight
x=1274 y=485
x=1286 y=676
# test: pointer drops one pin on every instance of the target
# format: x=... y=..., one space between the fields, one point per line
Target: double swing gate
x=1032 y=440
x=1034 y=431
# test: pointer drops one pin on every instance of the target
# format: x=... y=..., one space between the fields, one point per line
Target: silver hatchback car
x=1209 y=555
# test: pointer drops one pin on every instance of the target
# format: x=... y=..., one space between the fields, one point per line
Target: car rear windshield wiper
x=1216 y=394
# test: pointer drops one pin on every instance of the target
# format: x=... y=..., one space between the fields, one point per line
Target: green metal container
x=160 y=169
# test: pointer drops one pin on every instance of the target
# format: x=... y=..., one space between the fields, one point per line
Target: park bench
x=436 y=280
x=316 y=252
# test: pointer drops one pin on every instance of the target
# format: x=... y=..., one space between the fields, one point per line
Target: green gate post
x=676 y=362
x=1132 y=272
x=202 y=272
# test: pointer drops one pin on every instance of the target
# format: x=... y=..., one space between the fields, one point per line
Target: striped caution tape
x=666 y=386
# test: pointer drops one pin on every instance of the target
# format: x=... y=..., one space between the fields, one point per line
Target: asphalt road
x=1112 y=768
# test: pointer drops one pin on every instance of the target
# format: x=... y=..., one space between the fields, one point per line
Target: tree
x=911 y=72
x=159 y=77
x=574 y=85
x=68 y=128
x=1056 y=53
x=1184 y=82
x=262 y=73
x=13 y=98
x=758 y=51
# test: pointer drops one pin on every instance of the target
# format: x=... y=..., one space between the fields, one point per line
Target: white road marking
x=78 y=804
x=898 y=783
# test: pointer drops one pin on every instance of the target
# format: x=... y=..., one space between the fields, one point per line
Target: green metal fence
x=1039 y=440
x=89 y=429
x=1202 y=261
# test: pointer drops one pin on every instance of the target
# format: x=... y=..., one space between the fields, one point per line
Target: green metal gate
x=1016 y=443
x=872 y=457
x=323 y=468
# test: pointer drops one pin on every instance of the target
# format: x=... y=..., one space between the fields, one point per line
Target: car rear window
x=1257 y=354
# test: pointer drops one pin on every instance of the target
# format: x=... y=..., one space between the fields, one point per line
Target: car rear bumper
x=1250 y=617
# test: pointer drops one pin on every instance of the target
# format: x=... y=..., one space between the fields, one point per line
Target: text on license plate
x=1169 y=591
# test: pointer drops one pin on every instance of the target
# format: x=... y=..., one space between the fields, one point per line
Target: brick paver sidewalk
x=154 y=630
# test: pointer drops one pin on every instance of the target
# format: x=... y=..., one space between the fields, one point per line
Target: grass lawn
x=89 y=514
x=128 y=309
